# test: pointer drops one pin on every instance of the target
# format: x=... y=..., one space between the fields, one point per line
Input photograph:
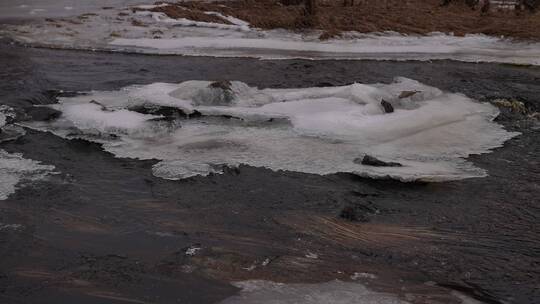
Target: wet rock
x=388 y=108
x=369 y=160
x=42 y=113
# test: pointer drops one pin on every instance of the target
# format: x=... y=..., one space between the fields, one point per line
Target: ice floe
x=200 y=127
x=16 y=170
x=136 y=29
x=337 y=292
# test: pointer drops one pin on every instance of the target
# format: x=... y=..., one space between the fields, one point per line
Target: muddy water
x=106 y=231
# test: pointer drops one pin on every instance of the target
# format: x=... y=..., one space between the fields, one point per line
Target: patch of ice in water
x=336 y=292
x=8 y=131
x=14 y=170
x=179 y=169
x=6 y=113
x=313 y=130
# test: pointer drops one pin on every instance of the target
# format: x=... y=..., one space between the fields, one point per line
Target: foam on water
x=336 y=292
x=313 y=130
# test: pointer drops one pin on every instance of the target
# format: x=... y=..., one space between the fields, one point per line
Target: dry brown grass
x=411 y=17
x=188 y=11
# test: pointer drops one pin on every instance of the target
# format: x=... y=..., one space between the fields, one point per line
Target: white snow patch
x=231 y=19
x=312 y=130
x=14 y=227
x=336 y=292
x=163 y=18
x=192 y=251
x=151 y=6
x=363 y=275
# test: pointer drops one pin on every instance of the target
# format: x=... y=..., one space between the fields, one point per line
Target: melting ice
x=14 y=169
x=198 y=127
x=336 y=292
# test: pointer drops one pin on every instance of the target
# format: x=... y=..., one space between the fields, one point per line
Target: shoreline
x=137 y=30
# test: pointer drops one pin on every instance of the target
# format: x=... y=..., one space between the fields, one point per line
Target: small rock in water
x=369 y=160
x=388 y=108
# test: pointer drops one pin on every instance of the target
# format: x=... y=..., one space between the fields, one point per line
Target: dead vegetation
x=334 y=17
x=188 y=10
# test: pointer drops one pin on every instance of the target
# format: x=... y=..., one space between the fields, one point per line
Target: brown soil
x=411 y=17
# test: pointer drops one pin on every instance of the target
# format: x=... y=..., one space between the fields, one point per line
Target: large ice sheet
x=389 y=46
x=336 y=292
x=312 y=130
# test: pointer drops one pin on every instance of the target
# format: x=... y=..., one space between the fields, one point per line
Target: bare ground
x=409 y=17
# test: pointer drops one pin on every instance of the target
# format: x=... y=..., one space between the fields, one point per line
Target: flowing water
x=92 y=220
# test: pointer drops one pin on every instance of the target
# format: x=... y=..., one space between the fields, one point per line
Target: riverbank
x=417 y=17
x=196 y=30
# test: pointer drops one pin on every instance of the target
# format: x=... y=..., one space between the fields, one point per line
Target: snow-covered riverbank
x=135 y=29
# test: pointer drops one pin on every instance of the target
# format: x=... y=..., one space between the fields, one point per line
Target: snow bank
x=156 y=33
x=313 y=130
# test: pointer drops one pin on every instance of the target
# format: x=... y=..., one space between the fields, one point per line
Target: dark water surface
x=106 y=231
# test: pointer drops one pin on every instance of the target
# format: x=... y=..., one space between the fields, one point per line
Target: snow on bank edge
x=148 y=32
